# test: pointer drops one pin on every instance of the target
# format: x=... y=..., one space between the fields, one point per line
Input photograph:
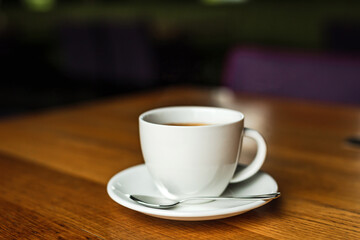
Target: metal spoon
x=160 y=202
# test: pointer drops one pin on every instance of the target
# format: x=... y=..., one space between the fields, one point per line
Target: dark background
x=54 y=53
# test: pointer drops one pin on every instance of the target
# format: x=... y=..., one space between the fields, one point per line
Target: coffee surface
x=187 y=124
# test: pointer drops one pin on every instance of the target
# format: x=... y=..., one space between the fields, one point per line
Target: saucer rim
x=175 y=215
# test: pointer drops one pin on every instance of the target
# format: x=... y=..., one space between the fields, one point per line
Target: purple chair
x=322 y=77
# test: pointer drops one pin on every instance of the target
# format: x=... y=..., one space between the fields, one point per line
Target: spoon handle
x=249 y=197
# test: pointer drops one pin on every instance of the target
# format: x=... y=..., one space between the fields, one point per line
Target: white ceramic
x=189 y=161
x=137 y=180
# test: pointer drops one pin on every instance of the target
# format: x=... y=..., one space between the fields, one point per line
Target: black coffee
x=187 y=124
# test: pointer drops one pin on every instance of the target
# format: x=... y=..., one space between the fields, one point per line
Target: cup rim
x=144 y=114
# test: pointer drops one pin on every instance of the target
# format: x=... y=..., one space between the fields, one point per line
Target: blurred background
x=54 y=53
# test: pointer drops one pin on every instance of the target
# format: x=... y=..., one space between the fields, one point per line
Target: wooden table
x=54 y=167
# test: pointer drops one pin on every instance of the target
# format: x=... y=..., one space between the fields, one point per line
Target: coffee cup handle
x=258 y=161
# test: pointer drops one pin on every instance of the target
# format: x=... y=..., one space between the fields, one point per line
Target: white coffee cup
x=189 y=161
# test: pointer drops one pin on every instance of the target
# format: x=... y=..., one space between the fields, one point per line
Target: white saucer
x=136 y=180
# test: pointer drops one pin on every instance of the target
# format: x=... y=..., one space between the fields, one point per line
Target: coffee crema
x=187 y=124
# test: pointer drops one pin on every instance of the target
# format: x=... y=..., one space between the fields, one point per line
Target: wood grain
x=55 y=164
